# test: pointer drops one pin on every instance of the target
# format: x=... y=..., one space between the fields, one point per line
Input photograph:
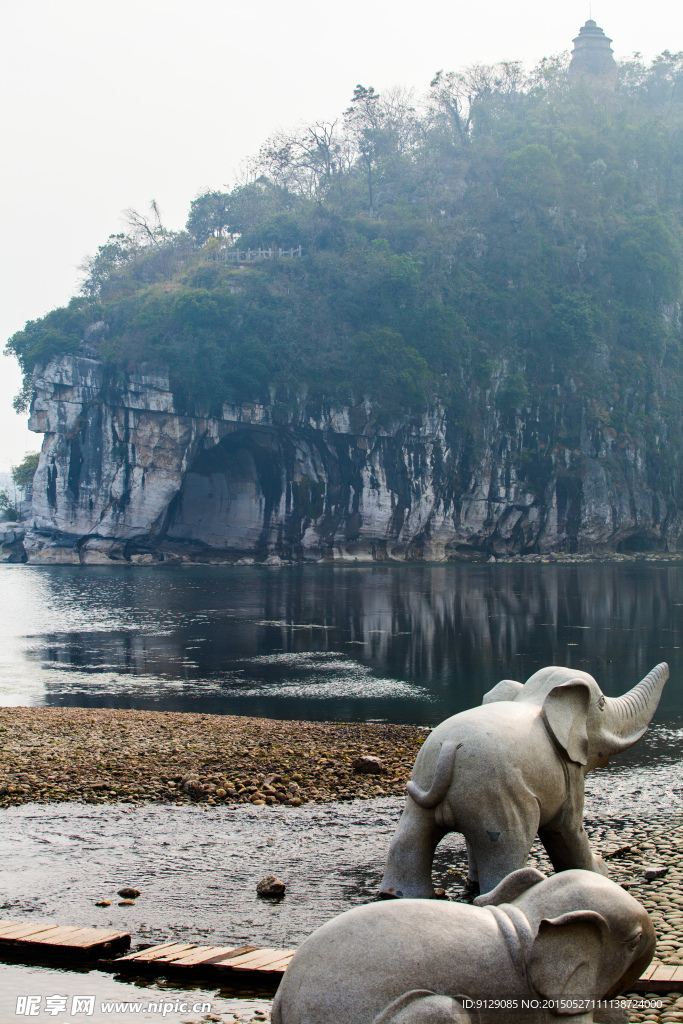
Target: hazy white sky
x=107 y=104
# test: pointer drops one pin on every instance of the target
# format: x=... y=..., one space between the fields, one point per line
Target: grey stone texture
x=127 y=472
x=573 y=936
x=513 y=768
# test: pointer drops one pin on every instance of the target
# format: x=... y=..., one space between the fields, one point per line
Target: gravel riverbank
x=108 y=756
x=630 y=853
x=104 y=755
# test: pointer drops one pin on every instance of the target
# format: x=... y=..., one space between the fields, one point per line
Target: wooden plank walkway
x=30 y=942
x=48 y=937
x=660 y=978
x=217 y=961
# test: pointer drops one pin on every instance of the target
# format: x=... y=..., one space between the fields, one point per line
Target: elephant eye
x=633 y=940
x=601 y=703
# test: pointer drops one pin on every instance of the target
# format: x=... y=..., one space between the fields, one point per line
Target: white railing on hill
x=248 y=255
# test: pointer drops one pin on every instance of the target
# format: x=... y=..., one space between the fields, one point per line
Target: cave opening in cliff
x=229 y=494
x=640 y=542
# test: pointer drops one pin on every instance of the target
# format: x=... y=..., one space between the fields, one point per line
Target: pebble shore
x=654 y=845
x=105 y=756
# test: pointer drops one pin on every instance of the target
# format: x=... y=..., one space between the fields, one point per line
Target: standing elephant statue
x=575 y=937
x=511 y=768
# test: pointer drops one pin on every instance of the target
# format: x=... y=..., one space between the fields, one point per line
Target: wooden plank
x=178 y=954
x=46 y=936
x=660 y=978
x=148 y=956
x=17 y=926
x=256 y=965
x=266 y=960
x=247 y=957
x=222 y=960
x=19 y=930
x=142 y=953
x=252 y=960
x=207 y=953
x=185 y=954
x=275 y=965
x=52 y=934
x=658 y=986
x=57 y=939
x=664 y=972
x=80 y=938
x=280 y=966
x=88 y=938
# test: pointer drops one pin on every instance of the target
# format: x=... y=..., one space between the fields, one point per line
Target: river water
x=404 y=643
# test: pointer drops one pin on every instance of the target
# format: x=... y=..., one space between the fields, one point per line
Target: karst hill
x=433 y=328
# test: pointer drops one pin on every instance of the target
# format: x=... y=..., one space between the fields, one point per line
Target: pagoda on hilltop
x=592 y=58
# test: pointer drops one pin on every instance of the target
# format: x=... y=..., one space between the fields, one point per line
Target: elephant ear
x=512 y=886
x=565 y=711
x=565 y=956
x=506 y=689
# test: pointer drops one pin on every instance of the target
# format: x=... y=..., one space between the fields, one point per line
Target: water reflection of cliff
x=451 y=630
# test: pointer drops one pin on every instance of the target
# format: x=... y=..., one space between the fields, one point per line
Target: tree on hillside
x=8 y=510
x=210 y=216
x=23 y=473
x=304 y=160
x=364 y=120
x=146 y=229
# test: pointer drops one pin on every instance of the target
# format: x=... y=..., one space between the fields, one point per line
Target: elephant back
x=539 y=685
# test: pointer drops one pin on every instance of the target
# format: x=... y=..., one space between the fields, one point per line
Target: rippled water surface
x=404 y=643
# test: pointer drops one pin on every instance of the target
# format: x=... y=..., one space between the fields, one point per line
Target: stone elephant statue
x=574 y=936
x=511 y=768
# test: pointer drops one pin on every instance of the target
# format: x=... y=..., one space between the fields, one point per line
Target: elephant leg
x=408 y=870
x=502 y=846
x=567 y=845
x=472 y=869
x=564 y=837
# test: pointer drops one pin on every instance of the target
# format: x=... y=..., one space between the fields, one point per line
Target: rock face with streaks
x=128 y=471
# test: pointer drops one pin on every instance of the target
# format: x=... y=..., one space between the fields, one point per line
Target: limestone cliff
x=127 y=473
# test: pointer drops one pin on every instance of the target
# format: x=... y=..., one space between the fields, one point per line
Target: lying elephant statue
x=511 y=768
x=574 y=936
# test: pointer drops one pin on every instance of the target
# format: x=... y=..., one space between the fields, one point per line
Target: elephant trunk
x=628 y=717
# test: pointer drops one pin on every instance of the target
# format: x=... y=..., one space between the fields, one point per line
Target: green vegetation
x=8 y=510
x=510 y=232
x=22 y=477
x=23 y=474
